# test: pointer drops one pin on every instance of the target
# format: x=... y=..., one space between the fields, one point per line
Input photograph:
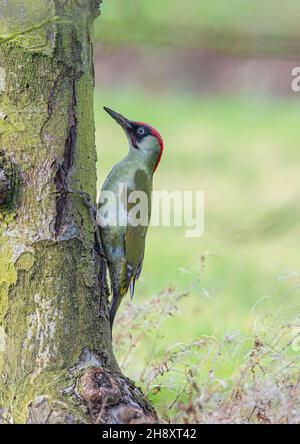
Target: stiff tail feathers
x=119 y=288
x=116 y=300
x=118 y=294
x=115 y=304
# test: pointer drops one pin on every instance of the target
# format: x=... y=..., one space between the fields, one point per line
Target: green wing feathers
x=135 y=236
x=134 y=247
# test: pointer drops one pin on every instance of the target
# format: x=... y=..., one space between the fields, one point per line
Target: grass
x=237 y=378
x=243 y=153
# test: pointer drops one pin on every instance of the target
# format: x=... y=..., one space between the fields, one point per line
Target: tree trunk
x=56 y=358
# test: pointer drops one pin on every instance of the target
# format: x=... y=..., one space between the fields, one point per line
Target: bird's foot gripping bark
x=87 y=200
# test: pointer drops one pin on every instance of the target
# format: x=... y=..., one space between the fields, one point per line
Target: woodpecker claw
x=87 y=202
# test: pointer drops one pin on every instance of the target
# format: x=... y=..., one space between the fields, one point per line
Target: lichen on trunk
x=56 y=358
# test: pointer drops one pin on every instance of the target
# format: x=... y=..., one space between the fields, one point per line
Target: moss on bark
x=54 y=328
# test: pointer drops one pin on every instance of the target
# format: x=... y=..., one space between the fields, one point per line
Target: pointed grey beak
x=121 y=120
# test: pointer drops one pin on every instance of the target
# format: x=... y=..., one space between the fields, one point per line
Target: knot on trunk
x=112 y=399
x=7 y=182
x=98 y=389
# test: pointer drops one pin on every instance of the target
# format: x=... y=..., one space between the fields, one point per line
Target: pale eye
x=141 y=131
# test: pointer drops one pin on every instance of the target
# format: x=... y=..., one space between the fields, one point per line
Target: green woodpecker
x=123 y=239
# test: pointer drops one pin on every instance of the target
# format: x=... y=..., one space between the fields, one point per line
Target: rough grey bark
x=56 y=358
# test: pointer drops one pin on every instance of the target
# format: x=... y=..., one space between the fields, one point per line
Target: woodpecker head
x=143 y=138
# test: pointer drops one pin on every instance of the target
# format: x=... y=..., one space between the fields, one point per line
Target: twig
x=30 y=29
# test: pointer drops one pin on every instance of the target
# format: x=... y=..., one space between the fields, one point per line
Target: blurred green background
x=215 y=78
